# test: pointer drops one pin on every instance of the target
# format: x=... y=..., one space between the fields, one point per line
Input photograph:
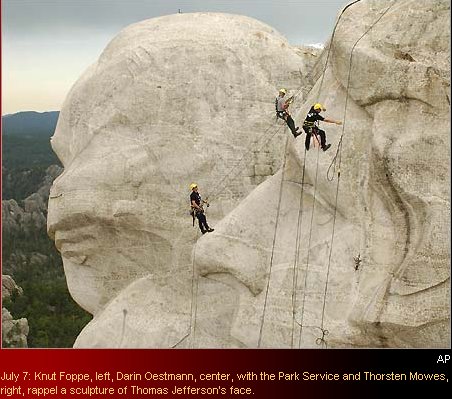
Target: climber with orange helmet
x=311 y=126
x=197 y=210
x=282 y=111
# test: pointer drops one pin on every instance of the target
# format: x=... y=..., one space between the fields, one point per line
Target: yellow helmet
x=283 y=91
x=319 y=106
x=193 y=185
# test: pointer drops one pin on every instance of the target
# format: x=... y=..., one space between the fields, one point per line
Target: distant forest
x=24 y=162
x=26 y=152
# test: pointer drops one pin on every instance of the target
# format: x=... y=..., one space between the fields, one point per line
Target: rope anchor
x=321 y=340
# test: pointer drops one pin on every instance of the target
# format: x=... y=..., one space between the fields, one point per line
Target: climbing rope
x=123 y=329
x=295 y=269
x=194 y=297
x=309 y=244
x=277 y=214
x=321 y=340
x=340 y=159
x=191 y=332
x=273 y=244
x=300 y=213
x=332 y=166
x=195 y=280
x=297 y=252
x=266 y=140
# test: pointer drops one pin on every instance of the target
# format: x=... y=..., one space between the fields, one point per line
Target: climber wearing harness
x=282 y=112
x=311 y=126
x=197 y=209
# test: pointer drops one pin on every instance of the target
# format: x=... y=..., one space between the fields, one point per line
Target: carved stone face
x=101 y=215
x=139 y=128
x=159 y=110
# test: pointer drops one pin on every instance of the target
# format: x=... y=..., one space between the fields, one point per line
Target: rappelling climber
x=197 y=203
x=282 y=111
x=311 y=126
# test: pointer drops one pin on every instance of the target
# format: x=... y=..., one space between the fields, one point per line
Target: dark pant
x=290 y=122
x=202 y=221
x=318 y=132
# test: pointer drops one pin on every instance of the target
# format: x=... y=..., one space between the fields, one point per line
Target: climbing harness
x=313 y=131
x=283 y=114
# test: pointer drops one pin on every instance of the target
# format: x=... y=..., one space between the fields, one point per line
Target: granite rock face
x=299 y=260
x=171 y=100
x=14 y=332
x=17 y=219
x=9 y=286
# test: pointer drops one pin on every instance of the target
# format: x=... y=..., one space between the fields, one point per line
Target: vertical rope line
x=309 y=248
x=295 y=278
x=297 y=253
x=273 y=244
x=194 y=302
x=194 y=298
x=124 y=314
x=333 y=162
x=339 y=153
x=215 y=193
x=330 y=44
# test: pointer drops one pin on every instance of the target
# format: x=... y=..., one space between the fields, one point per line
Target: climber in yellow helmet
x=197 y=203
x=282 y=111
x=311 y=126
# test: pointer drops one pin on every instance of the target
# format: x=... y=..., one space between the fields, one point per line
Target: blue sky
x=47 y=44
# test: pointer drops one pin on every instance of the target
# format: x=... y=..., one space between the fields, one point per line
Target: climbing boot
x=210 y=230
x=326 y=147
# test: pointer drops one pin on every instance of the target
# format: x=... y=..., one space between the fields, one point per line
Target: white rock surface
x=393 y=204
x=180 y=98
x=9 y=286
x=14 y=332
x=172 y=100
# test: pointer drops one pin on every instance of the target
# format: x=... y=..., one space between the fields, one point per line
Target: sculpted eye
x=77 y=258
